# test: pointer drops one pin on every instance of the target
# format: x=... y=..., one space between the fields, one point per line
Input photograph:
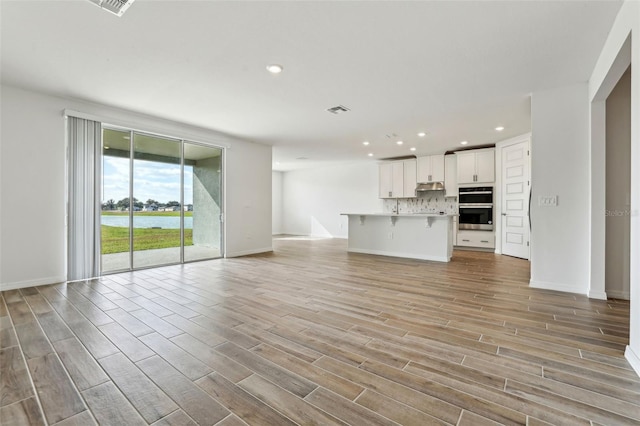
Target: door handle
x=529 y=211
x=504 y=214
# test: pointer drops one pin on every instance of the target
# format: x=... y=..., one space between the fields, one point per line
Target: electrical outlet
x=548 y=201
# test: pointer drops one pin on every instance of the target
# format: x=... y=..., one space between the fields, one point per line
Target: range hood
x=431 y=186
x=117 y=7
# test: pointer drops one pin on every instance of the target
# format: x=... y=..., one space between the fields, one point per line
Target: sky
x=158 y=181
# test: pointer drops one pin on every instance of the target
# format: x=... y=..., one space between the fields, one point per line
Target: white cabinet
x=430 y=168
x=486 y=166
x=385 y=180
x=397 y=185
x=466 y=167
x=476 y=166
x=397 y=179
x=409 y=175
x=481 y=239
x=455 y=230
x=450 y=176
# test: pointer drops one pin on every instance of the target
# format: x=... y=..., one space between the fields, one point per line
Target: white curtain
x=84 y=148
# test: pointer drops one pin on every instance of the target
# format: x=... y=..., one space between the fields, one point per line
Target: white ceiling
x=453 y=69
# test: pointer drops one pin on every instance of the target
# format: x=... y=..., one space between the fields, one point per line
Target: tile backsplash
x=427 y=202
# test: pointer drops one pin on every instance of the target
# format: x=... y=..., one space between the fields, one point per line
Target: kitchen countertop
x=401 y=214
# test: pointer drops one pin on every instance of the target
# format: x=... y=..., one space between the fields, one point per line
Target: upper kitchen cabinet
x=397 y=179
x=431 y=168
x=409 y=175
x=385 y=180
x=450 y=176
x=476 y=166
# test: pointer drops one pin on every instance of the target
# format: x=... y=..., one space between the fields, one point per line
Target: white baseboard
x=395 y=254
x=624 y=295
x=633 y=359
x=601 y=295
x=249 y=252
x=547 y=285
x=31 y=283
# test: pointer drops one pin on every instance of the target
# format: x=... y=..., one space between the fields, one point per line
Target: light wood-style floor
x=314 y=335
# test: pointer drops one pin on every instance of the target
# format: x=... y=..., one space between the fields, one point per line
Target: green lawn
x=115 y=239
x=118 y=213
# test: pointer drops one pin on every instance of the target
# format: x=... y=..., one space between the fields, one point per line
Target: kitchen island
x=425 y=236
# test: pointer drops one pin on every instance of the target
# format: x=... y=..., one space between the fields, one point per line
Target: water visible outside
x=164 y=222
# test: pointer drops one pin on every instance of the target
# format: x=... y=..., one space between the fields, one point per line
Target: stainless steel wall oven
x=475 y=208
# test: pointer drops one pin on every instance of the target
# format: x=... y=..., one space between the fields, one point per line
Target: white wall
x=248 y=199
x=613 y=60
x=560 y=166
x=276 y=209
x=314 y=199
x=32 y=188
x=618 y=189
x=32 y=184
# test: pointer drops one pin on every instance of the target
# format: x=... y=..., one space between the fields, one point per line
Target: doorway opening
x=161 y=201
x=618 y=189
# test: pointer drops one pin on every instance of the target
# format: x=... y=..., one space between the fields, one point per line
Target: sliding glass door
x=115 y=235
x=161 y=201
x=202 y=189
x=157 y=231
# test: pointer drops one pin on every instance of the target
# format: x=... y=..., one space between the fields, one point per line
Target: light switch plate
x=548 y=200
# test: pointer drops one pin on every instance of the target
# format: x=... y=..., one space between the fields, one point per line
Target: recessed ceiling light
x=422 y=134
x=106 y=147
x=399 y=142
x=412 y=149
x=274 y=68
x=500 y=128
x=365 y=143
x=464 y=142
x=370 y=154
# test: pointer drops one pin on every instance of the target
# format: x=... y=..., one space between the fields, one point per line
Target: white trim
x=633 y=359
x=512 y=141
x=547 y=285
x=597 y=199
x=624 y=295
x=249 y=252
x=119 y=124
x=396 y=254
x=497 y=190
x=32 y=283
x=601 y=295
x=83 y=115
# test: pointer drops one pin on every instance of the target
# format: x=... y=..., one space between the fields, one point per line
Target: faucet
x=394 y=209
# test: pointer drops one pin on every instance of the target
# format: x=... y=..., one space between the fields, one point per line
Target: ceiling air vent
x=338 y=109
x=117 y=7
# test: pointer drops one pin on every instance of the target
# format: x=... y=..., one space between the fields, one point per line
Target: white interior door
x=515 y=200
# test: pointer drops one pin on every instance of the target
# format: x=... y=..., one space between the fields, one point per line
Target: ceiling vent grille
x=338 y=109
x=117 y=7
